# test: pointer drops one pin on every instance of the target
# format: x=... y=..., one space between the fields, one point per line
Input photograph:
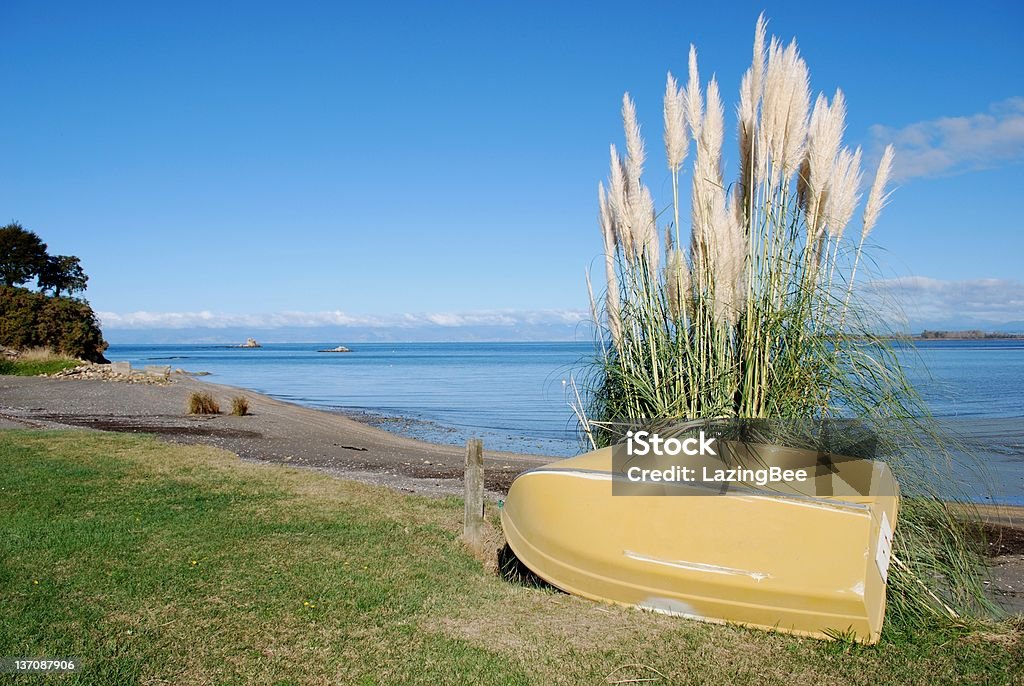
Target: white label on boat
x=884 y=551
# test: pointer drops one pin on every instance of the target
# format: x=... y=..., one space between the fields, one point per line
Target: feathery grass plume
x=676 y=141
x=707 y=204
x=619 y=204
x=752 y=323
x=612 y=304
x=844 y=194
x=593 y=303
x=635 y=153
x=799 y=109
x=877 y=197
x=803 y=192
x=677 y=283
x=641 y=215
x=677 y=278
x=646 y=221
x=746 y=116
x=811 y=194
x=751 y=87
x=713 y=131
x=729 y=267
x=756 y=70
x=746 y=112
x=751 y=92
x=693 y=97
x=824 y=136
x=787 y=100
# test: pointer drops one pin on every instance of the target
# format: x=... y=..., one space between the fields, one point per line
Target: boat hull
x=807 y=565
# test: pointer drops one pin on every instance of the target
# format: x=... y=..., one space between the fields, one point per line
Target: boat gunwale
x=824 y=502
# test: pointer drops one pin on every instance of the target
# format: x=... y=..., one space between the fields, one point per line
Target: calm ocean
x=516 y=395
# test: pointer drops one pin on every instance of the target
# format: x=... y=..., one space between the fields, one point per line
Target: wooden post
x=473 y=530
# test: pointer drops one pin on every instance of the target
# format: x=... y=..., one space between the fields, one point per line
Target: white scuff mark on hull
x=697 y=566
x=595 y=476
x=673 y=608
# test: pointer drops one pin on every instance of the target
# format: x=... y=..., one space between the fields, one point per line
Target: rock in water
x=339 y=349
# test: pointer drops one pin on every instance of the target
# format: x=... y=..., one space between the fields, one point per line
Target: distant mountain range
x=916 y=327
x=969 y=334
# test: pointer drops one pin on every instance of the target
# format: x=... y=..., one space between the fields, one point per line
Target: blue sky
x=289 y=162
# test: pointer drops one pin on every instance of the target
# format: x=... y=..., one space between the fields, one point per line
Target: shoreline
x=281 y=433
x=275 y=431
x=160 y=416
x=393 y=386
x=430 y=431
x=358 y=425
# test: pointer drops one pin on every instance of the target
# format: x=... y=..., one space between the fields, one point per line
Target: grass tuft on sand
x=239 y=406
x=158 y=563
x=201 y=402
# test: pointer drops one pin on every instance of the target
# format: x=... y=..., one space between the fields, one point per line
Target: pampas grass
x=677 y=143
x=754 y=316
x=877 y=197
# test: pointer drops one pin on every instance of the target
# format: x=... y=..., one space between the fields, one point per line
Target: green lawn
x=35 y=367
x=159 y=564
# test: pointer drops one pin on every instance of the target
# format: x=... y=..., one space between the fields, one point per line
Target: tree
x=62 y=273
x=22 y=255
x=65 y=325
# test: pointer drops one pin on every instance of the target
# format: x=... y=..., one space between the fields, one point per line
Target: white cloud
x=914 y=301
x=209 y=320
x=953 y=145
x=969 y=303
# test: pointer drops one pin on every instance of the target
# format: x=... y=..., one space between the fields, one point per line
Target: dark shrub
x=66 y=325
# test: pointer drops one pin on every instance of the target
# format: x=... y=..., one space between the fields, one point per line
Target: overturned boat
x=807 y=556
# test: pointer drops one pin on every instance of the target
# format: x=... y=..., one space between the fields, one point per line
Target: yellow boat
x=806 y=564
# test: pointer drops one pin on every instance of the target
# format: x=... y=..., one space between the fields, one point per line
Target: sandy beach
x=274 y=431
x=284 y=433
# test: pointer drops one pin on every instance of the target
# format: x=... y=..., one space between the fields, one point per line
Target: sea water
x=513 y=395
x=518 y=396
